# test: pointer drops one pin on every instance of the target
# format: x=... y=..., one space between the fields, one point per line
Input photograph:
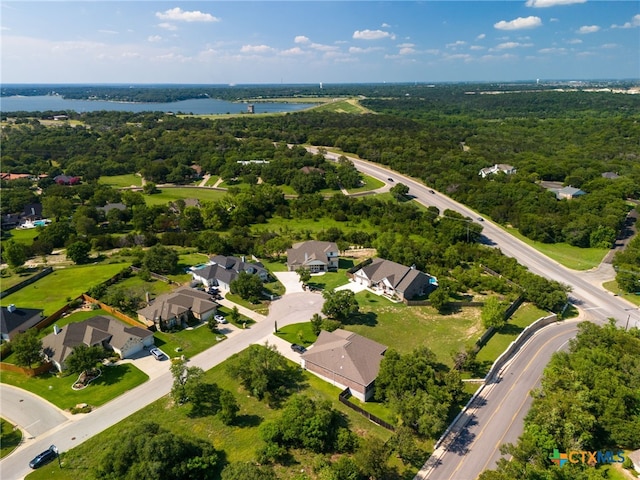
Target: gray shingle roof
x=16 y=319
x=177 y=302
x=303 y=253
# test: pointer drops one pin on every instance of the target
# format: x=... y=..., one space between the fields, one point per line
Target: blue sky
x=218 y=42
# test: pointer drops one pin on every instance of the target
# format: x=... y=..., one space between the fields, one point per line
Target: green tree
x=14 y=253
x=493 y=312
x=372 y=457
x=304 y=275
x=439 y=298
x=84 y=359
x=161 y=259
x=316 y=323
x=78 y=252
x=27 y=347
x=149 y=188
x=399 y=191
x=248 y=471
x=56 y=207
x=229 y=407
x=339 y=304
x=248 y=286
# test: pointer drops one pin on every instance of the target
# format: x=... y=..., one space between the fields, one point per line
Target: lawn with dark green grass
x=300 y=333
x=113 y=382
x=261 y=308
x=21 y=235
x=238 y=441
x=10 y=438
x=498 y=343
x=56 y=289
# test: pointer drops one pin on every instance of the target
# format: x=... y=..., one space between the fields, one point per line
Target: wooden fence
x=157 y=276
x=113 y=311
x=344 y=399
x=31 y=372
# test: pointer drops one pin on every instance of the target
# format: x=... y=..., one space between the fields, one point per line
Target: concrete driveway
x=290 y=280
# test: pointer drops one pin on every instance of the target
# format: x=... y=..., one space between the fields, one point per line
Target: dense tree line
x=589 y=401
x=627 y=265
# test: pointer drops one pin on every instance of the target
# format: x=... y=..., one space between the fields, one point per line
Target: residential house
x=14 y=320
x=610 y=175
x=314 y=255
x=221 y=270
x=175 y=308
x=394 y=279
x=347 y=360
x=498 y=167
x=32 y=211
x=568 y=193
x=66 y=180
x=15 y=176
x=112 y=334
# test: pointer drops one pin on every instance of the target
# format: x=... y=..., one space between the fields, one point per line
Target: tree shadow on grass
x=110 y=375
x=370 y=319
x=247 y=421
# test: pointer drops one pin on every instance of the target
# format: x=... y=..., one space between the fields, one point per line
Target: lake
x=202 y=106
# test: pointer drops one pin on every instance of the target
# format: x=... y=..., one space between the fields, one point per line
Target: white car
x=220 y=319
x=157 y=353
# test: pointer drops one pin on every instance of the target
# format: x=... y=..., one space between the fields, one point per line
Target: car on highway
x=220 y=319
x=44 y=457
x=390 y=179
x=298 y=348
x=480 y=219
x=157 y=353
x=431 y=191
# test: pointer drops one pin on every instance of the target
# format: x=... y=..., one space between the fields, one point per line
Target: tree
x=14 y=253
x=304 y=275
x=149 y=188
x=439 y=298
x=316 y=323
x=493 y=313
x=399 y=191
x=248 y=286
x=185 y=379
x=161 y=259
x=56 y=207
x=83 y=359
x=234 y=315
x=228 y=407
x=78 y=252
x=339 y=304
x=27 y=347
x=372 y=458
x=248 y=471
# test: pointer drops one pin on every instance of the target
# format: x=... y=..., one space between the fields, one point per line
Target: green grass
x=10 y=278
x=242 y=320
x=190 y=342
x=238 y=441
x=350 y=105
x=113 y=382
x=53 y=291
x=300 y=333
x=331 y=280
x=299 y=228
x=212 y=180
x=21 y=235
x=167 y=195
x=370 y=183
x=498 y=343
x=9 y=438
x=121 y=181
x=261 y=308
x=612 y=286
x=565 y=254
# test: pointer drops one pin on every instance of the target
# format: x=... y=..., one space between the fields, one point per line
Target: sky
x=276 y=42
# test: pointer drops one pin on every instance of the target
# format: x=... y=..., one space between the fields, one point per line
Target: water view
x=200 y=106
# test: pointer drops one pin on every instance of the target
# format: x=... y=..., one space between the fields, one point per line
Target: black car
x=43 y=458
x=298 y=348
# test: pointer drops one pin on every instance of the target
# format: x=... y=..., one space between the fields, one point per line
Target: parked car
x=44 y=457
x=157 y=353
x=220 y=319
x=298 y=348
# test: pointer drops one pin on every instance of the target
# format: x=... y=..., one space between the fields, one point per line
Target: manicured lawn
x=262 y=308
x=314 y=226
x=331 y=280
x=242 y=320
x=113 y=382
x=21 y=235
x=612 y=286
x=370 y=183
x=563 y=253
x=239 y=441
x=10 y=278
x=498 y=343
x=54 y=291
x=300 y=333
x=9 y=438
x=212 y=180
x=350 y=105
x=167 y=195
x=120 y=181
x=190 y=342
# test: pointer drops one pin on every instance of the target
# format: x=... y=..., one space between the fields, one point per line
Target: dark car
x=431 y=191
x=298 y=348
x=390 y=179
x=43 y=458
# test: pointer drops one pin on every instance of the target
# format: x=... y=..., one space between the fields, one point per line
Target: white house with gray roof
x=221 y=270
x=394 y=279
x=314 y=255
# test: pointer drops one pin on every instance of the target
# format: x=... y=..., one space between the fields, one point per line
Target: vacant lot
x=167 y=195
x=122 y=181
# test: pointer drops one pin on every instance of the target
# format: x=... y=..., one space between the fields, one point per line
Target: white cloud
x=553 y=50
x=372 y=35
x=168 y=26
x=588 y=29
x=481 y=36
x=508 y=45
x=477 y=47
x=385 y=25
x=256 y=49
x=609 y=45
x=459 y=56
x=179 y=15
x=455 y=44
x=154 y=38
x=301 y=39
x=295 y=51
x=362 y=50
x=635 y=22
x=109 y=32
x=551 y=3
x=519 y=23
x=574 y=41
x=407 y=51
x=324 y=48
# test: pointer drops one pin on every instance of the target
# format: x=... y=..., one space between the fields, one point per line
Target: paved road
x=499 y=420
x=289 y=309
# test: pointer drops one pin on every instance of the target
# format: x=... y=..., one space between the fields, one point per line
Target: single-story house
x=568 y=193
x=112 y=334
x=610 y=175
x=347 y=360
x=14 y=320
x=66 y=180
x=498 y=167
x=221 y=270
x=394 y=279
x=314 y=255
x=174 y=308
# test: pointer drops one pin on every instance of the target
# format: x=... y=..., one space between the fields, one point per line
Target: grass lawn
x=300 y=333
x=54 y=291
x=21 y=235
x=9 y=438
x=120 y=181
x=226 y=313
x=189 y=342
x=612 y=286
x=113 y=382
x=331 y=280
x=10 y=278
x=312 y=226
x=212 y=181
x=239 y=441
x=563 y=253
x=370 y=183
x=262 y=308
x=167 y=195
